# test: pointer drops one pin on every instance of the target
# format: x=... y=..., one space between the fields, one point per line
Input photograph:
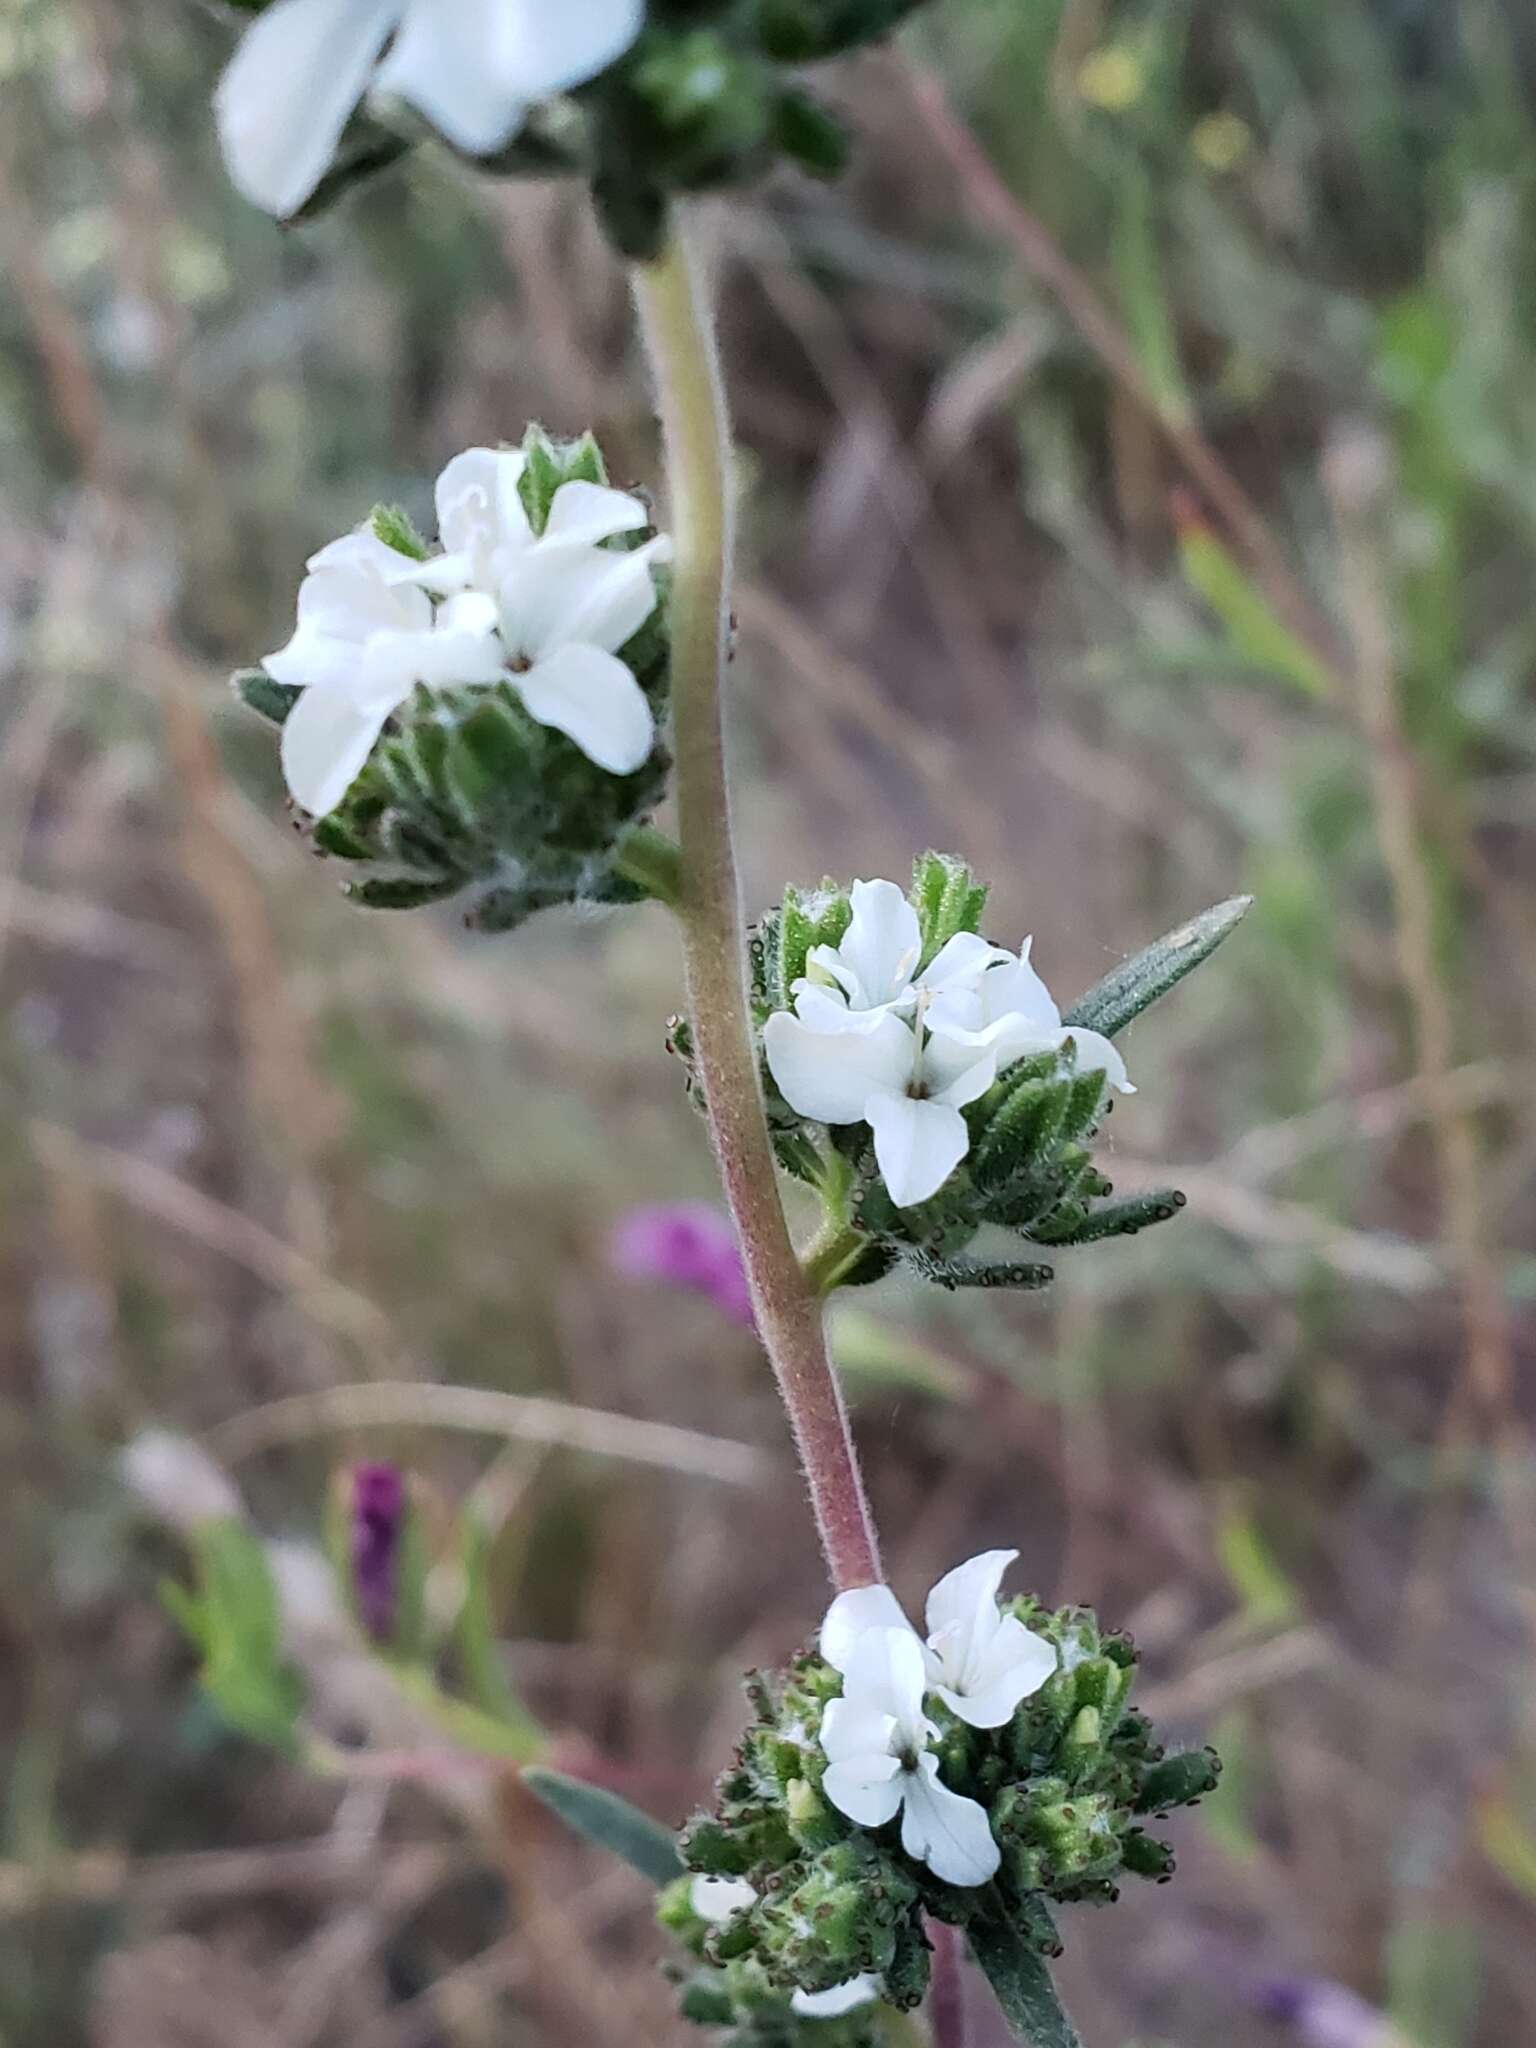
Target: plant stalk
x=679 y=336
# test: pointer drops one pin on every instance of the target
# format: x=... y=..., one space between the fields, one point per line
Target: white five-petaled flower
x=718 y=1899
x=545 y=613
x=979 y=1661
x=565 y=603
x=472 y=67
x=871 y=1040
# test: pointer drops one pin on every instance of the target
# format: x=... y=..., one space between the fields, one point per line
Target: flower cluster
x=977 y=1773
x=485 y=713
x=924 y=1081
x=644 y=100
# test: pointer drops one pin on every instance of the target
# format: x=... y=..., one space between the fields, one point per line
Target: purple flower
x=378 y=1507
x=1322 y=2014
x=689 y=1245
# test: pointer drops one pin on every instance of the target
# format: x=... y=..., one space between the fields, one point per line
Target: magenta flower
x=378 y=1506
x=689 y=1245
x=1322 y=2014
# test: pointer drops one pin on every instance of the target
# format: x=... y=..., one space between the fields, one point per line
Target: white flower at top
x=879 y=1763
x=545 y=613
x=978 y=1660
x=718 y=1899
x=472 y=67
x=871 y=1040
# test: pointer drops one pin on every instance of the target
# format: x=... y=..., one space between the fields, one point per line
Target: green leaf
x=1131 y=988
x=264 y=694
x=877 y=1355
x=1018 y=1974
x=603 y=1817
x=1141 y=275
x=235 y=1623
x=479 y=1655
x=1253 y=629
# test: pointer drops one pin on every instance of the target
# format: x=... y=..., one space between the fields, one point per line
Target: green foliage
x=1017 y=1973
x=603 y=1817
x=1134 y=986
x=233 y=1620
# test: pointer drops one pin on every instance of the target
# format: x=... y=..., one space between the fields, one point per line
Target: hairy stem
x=679 y=336
x=946 y=1991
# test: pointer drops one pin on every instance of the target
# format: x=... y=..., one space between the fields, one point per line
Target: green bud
x=812 y=1822
x=1179 y=1781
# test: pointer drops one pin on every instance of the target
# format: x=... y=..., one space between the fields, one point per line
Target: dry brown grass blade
x=483 y=1411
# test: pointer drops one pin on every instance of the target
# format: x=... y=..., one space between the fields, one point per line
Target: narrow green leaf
x=1018 y=1974
x=1253 y=629
x=603 y=1817
x=479 y=1654
x=1129 y=989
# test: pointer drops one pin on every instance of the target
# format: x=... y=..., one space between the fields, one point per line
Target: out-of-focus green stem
x=650 y=858
x=679 y=335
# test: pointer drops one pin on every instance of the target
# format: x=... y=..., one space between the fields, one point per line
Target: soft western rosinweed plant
x=493 y=712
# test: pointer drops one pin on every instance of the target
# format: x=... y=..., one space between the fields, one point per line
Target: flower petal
x=831 y=1075
x=439 y=64
x=959 y=1066
x=879 y=951
x=594 y=700
x=478 y=502
x=1014 y=1667
x=327 y=737
x=1015 y=989
x=887 y=1669
x=541 y=49
x=959 y=962
x=918 y=1144
x=364 y=550
x=554 y=596
x=289 y=90
x=868 y=1788
x=718 y=1899
x=948 y=1832
x=962 y=1608
x=1095 y=1051
x=851 y=1614
x=587 y=512
x=832 y=2003
x=858 y=1727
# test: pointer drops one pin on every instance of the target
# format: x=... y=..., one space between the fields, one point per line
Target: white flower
x=544 y=613
x=837 y=1999
x=873 y=966
x=366 y=636
x=1009 y=999
x=980 y=1661
x=718 y=1899
x=564 y=603
x=870 y=1041
x=879 y=1764
x=472 y=67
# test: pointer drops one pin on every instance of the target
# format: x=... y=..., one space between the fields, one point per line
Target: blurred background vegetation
x=1139 y=462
